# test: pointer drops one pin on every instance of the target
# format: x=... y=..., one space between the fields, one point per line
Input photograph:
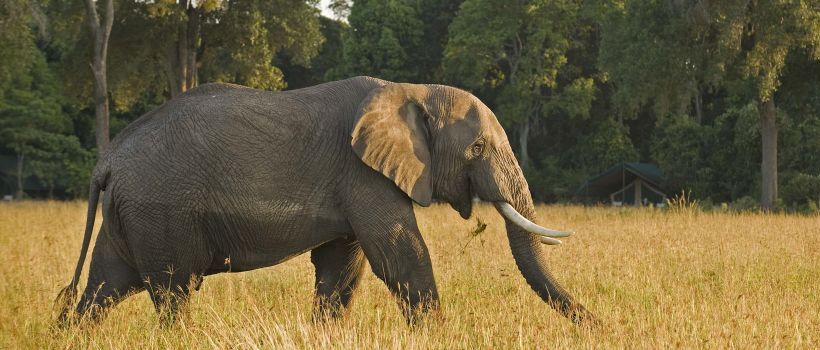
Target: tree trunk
x=699 y=106
x=768 y=165
x=193 y=32
x=172 y=70
x=523 y=138
x=100 y=32
x=20 y=158
x=182 y=55
x=101 y=107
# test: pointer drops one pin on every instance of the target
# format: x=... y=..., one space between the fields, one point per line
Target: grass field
x=657 y=280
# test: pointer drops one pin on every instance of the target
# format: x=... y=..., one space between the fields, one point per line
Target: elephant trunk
x=530 y=258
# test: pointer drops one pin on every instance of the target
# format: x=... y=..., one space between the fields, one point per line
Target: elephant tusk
x=550 y=241
x=546 y=234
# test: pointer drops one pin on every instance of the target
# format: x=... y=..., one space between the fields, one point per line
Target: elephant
x=226 y=178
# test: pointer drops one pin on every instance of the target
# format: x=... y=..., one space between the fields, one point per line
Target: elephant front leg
x=339 y=266
x=392 y=243
x=400 y=258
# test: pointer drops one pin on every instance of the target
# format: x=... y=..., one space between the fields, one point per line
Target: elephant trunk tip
x=574 y=311
x=580 y=316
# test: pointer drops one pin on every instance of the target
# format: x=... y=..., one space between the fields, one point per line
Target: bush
x=801 y=189
x=734 y=154
x=746 y=203
x=549 y=182
x=608 y=144
x=813 y=207
x=707 y=204
x=677 y=147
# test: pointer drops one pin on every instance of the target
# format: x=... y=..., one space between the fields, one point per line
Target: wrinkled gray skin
x=227 y=178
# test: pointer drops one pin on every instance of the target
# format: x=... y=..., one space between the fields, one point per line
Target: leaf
x=480 y=226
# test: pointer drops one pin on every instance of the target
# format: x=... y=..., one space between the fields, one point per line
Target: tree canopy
x=722 y=95
x=672 y=54
x=519 y=50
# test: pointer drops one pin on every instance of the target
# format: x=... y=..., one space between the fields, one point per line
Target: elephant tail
x=65 y=300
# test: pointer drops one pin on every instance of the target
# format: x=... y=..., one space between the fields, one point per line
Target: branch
x=93 y=19
x=109 y=22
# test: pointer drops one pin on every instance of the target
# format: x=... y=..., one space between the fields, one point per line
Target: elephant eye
x=478 y=148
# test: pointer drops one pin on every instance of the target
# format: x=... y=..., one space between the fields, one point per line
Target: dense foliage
x=707 y=90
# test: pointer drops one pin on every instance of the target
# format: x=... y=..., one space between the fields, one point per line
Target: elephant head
x=436 y=141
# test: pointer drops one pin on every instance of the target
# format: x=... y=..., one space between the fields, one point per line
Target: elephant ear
x=392 y=137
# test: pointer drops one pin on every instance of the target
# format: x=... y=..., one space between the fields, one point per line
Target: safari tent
x=625 y=184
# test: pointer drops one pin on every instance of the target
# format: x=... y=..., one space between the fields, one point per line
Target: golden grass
x=657 y=279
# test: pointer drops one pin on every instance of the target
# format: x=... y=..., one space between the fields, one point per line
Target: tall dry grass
x=657 y=279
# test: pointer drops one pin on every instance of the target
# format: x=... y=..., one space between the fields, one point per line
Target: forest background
x=722 y=95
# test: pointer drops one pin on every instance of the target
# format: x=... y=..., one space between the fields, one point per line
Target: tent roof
x=621 y=175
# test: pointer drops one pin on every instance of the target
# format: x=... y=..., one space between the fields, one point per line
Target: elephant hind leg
x=169 y=290
x=339 y=266
x=110 y=280
x=171 y=254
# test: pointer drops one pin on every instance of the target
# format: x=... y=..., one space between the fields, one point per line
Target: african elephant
x=228 y=178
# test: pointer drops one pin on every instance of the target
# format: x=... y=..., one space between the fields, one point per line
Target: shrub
x=801 y=189
x=746 y=203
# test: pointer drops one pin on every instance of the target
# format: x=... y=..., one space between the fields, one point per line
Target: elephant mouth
x=463 y=203
x=465 y=208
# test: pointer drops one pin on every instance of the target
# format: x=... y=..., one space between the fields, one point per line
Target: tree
x=437 y=16
x=799 y=99
x=17 y=47
x=33 y=126
x=340 y=8
x=669 y=52
x=222 y=40
x=761 y=35
x=17 y=51
x=100 y=28
x=663 y=53
x=389 y=39
x=381 y=41
x=328 y=59
x=203 y=41
x=518 y=50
